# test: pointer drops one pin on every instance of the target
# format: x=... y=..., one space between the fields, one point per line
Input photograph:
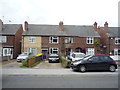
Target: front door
x=45 y=53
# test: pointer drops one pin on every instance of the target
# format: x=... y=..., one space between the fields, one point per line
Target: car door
x=104 y=62
x=93 y=63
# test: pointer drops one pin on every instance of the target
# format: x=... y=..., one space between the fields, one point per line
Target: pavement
x=53 y=72
x=45 y=68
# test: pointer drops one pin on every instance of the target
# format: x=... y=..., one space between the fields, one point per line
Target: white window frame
x=51 y=40
x=116 y=41
x=116 y=51
x=69 y=40
x=8 y=51
x=32 y=39
x=3 y=39
x=90 y=51
x=53 y=50
x=90 y=39
x=32 y=50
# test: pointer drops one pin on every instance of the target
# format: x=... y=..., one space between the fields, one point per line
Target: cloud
x=78 y=12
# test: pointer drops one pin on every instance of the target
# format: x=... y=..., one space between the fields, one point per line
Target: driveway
x=13 y=64
x=46 y=65
x=42 y=65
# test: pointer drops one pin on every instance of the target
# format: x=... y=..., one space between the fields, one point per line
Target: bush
x=24 y=64
x=64 y=62
x=31 y=61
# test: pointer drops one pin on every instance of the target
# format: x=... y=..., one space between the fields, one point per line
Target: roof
x=69 y=30
x=114 y=31
x=10 y=29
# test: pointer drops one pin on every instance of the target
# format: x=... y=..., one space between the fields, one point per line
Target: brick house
x=110 y=39
x=10 y=40
x=59 y=39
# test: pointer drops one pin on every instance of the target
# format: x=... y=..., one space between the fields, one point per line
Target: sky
x=71 y=12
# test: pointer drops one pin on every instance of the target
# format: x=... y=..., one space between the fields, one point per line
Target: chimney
x=61 y=26
x=1 y=24
x=106 y=27
x=26 y=25
x=95 y=27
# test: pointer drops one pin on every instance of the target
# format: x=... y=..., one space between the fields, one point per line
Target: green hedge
x=64 y=62
x=25 y=62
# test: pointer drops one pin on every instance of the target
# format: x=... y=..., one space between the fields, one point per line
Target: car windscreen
x=24 y=54
x=87 y=57
x=79 y=55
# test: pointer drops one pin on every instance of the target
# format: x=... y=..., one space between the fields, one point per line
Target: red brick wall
x=17 y=42
x=77 y=42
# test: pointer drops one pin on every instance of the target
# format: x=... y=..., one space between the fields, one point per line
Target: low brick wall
x=31 y=61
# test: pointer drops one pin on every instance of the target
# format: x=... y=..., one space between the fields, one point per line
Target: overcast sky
x=71 y=12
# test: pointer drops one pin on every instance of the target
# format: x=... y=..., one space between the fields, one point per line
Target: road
x=61 y=81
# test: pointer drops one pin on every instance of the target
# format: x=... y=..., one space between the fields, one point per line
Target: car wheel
x=112 y=68
x=82 y=68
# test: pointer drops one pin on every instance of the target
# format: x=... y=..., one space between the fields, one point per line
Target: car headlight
x=76 y=63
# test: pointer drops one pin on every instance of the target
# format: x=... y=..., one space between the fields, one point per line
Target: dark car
x=95 y=62
x=53 y=58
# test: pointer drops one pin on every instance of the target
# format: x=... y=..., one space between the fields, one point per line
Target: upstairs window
x=69 y=40
x=53 y=40
x=3 y=39
x=90 y=40
x=32 y=39
x=117 y=41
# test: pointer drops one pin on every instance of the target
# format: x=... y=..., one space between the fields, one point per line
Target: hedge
x=64 y=62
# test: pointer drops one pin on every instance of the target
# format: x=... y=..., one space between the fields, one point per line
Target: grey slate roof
x=10 y=29
x=69 y=30
x=114 y=31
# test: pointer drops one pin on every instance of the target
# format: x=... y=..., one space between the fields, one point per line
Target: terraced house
x=60 y=39
x=110 y=40
x=10 y=40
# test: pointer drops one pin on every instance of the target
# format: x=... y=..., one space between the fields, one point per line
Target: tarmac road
x=61 y=81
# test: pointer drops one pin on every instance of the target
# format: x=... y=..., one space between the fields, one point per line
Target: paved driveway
x=13 y=64
x=42 y=65
x=47 y=65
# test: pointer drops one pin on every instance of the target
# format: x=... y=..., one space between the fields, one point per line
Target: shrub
x=24 y=63
x=31 y=61
x=64 y=62
x=96 y=42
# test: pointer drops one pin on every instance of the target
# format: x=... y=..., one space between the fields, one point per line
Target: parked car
x=23 y=56
x=77 y=56
x=53 y=58
x=95 y=62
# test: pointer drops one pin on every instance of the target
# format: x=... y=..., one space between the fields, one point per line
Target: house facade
x=110 y=40
x=10 y=40
x=60 y=39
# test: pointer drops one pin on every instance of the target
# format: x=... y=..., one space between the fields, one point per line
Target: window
x=90 y=51
x=3 y=39
x=105 y=58
x=33 y=51
x=116 y=51
x=90 y=40
x=7 y=51
x=53 y=39
x=53 y=50
x=69 y=40
x=117 y=40
x=94 y=59
x=32 y=39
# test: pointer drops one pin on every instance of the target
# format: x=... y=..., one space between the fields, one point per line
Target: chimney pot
x=106 y=27
x=26 y=25
x=95 y=26
x=61 y=26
